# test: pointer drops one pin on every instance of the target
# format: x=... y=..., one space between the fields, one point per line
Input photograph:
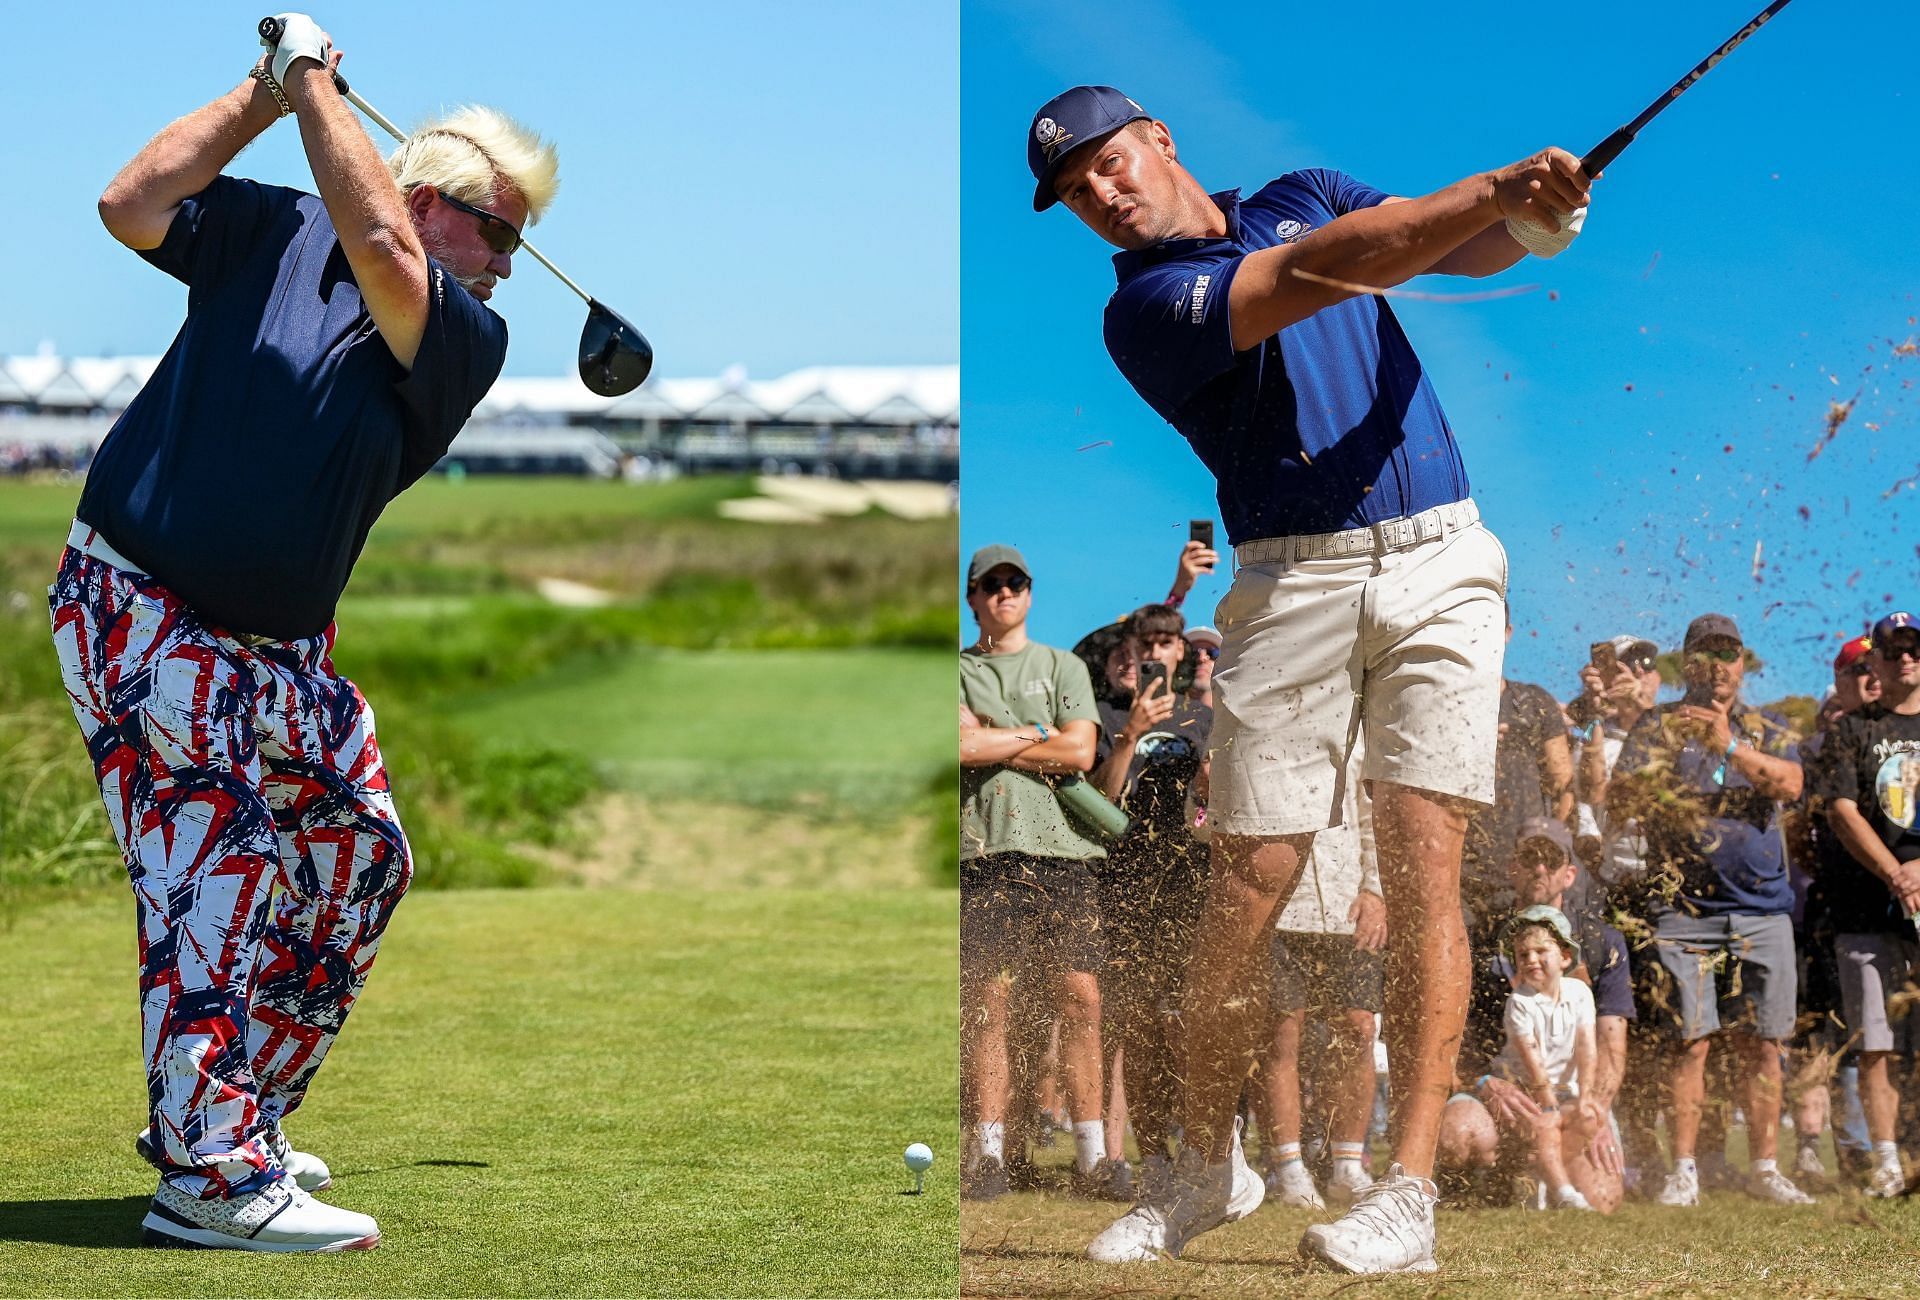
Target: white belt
x=1375 y=539
x=85 y=540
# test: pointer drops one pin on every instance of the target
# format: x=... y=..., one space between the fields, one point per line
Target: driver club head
x=615 y=358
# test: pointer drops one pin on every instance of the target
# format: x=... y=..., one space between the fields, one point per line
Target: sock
x=1766 y=1167
x=1887 y=1154
x=1286 y=1153
x=1685 y=1165
x=1089 y=1143
x=990 y=1141
x=1350 y=1151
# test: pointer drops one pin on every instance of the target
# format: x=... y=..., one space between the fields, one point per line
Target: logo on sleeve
x=1290 y=230
x=1048 y=135
x=1200 y=298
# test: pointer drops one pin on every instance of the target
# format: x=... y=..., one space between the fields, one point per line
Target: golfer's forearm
x=140 y=202
x=365 y=205
x=1490 y=252
x=1379 y=247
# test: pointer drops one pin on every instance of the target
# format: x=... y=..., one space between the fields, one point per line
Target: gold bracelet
x=265 y=78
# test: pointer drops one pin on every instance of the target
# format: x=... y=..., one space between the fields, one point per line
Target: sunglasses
x=1724 y=655
x=1015 y=583
x=1210 y=651
x=500 y=234
x=1895 y=653
x=1861 y=669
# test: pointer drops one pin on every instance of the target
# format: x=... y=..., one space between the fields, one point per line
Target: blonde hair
x=472 y=153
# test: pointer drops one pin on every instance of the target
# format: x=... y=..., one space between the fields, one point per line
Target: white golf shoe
x=1346 y=1186
x=1140 y=1235
x=1291 y=1184
x=1887 y=1182
x=1198 y=1196
x=1388 y=1230
x=309 y=1171
x=279 y=1218
x=1249 y=1189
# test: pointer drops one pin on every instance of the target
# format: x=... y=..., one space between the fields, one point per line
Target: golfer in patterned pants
x=334 y=345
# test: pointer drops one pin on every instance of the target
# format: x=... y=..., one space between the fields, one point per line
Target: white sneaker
x=309 y=1171
x=1140 y=1235
x=1291 y=1184
x=1806 y=1164
x=1569 y=1198
x=1198 y=1196
x=1776 y=1187
x=1887 y=1181
x=280 y=1218
x=1249 y=1189
x=1346 y=1187
x=1680 y=1189
x=1388 y=1230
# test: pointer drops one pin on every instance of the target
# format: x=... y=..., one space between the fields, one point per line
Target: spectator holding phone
x=1620 y=682
x=1197 y=559
x=1705 y=779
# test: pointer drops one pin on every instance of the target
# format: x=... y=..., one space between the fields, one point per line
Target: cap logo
x=1048 y=135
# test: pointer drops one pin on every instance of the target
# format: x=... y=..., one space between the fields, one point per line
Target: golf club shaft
x=270 y=29
x=1610 y=148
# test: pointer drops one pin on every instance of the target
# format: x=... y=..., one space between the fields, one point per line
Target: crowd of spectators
x=1691 y=926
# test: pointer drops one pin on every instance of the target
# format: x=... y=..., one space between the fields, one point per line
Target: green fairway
x=542 y=1093
x=864 y=729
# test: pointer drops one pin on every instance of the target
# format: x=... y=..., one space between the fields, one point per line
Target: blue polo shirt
x=247 y=472
x=1329 y=424
x=1723 y=841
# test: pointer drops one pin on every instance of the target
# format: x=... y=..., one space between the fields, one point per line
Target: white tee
x=1551 y=1027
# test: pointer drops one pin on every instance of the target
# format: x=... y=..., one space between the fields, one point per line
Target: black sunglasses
x=1894 y=651
x=1725 y=654
x=1015 y=583
x=500 y=234
x=1210 y=651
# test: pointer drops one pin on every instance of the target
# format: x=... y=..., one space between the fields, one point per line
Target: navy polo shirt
x=1329 y=424
x=247 y=472
x=1723 y=841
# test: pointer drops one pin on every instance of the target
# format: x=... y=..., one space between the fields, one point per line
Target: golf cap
x=1889 y=628
x=989 y=557
x=1541 y=914
x=1628 y=646
x=1204 y=635
x=1707 y=627
x=1067 y=121
x=1551 y=829
x=1851 y=653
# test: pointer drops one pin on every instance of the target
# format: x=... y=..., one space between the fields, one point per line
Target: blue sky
x=756 y=183
x=1632 y=429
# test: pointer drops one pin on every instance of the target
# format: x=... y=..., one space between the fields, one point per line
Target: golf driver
x=615 y=358
x=1610 y=148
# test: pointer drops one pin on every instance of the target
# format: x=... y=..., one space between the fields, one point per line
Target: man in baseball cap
x=1207 y=286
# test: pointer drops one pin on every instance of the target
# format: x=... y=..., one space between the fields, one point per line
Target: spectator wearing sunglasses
x=1030 y=929
x=1867 y=775
x=1206 y=642
x=1706 y=778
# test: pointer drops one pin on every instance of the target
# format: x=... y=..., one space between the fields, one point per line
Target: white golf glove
x=300 y=38
x=1542 y=242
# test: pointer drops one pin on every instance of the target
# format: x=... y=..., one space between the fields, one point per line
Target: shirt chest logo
x=1289 y=230
x=1199 y=298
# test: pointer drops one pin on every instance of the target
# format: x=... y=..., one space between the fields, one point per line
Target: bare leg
x=1418 y=835
x=1224 y=1001
x=1080 y=1043
x=1761 y=1056
x=1116 y=1130
x=1878 y=1096
x=985 y=1047
x=1686 y=1089
x=1350 y=1065
x=1281 y=1071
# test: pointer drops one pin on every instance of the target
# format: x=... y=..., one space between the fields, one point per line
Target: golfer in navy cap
x=1367 y=608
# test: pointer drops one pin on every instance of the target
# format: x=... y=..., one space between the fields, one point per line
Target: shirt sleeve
x=216 y=228
x=1582 y=998
x=1833 y=773
x=1519 y=1023
x=1169 y=331
x=1073 y=692
x=1341 y=192
x=460 y=356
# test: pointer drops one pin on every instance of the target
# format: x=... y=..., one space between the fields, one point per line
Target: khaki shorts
x=1397 y=652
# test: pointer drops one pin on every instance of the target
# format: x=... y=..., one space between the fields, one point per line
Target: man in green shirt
x=1029 y=905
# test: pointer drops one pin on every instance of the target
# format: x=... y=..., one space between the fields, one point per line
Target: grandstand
x=868 y=422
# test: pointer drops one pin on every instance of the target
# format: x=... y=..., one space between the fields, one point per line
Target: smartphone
x=1605 y=660
x=1201 y=531
x=1151 y=671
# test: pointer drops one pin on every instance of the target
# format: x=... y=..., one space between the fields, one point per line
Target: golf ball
x=919 y=1157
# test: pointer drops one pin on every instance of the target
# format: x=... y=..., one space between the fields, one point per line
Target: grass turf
x=1033 y=1244
x=542 y=1092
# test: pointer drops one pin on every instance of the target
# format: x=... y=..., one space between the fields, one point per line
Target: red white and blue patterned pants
x=229 y=766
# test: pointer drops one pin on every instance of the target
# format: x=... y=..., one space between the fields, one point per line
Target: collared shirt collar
x=1129 y=262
